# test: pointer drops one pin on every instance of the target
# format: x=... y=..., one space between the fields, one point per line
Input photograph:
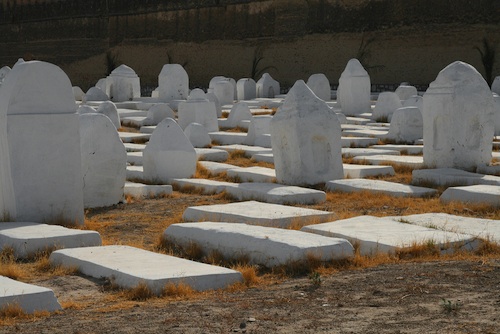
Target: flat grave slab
x=402 y=160
x=487 y=229
x=352 y=152
x=265 y=157
x=374 y=234
x=492 y=169
x=477 y=194
x=135 y=122
x=253 y=174
x=452 y=177
x=358 y=120
x=129 y=266
x=353 y=141
x=365 y=133
x=29 y=238
x=135 y=173
x=216 y=167
x=257 y=213
x=131 y=147
x=211 y=154
x=29 y=297
x=266 y=246
x=379 y=186
x=134 y=158
x=125 y=113
x=404 y=149
x=205 y=186
x=249 y=150
x=360 y=171
x=130 y=137
x=228 y=138
x=140 y=190
x=147 y=129
x=276 y=193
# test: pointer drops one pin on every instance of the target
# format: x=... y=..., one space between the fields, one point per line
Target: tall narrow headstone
x=246 y=89
x=124 y=84
x=44 y=143
x=495 y=86
x=173 y=83
x=306 y=139
x=354 y=89
x=458 y=122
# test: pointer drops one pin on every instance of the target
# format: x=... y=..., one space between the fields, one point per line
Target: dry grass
x=140 y=292
x=179 y=290
x=11 y=313
x=238 y=129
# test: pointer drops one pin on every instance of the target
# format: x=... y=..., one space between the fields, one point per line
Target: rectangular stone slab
x=204 y=185
x=266 y=246
x=216 y=167
x=407 y=149
x=134 y=121
x=147 y=129
x=253 y=174
x=211 y=154
x=488 y=229
x=129 y=266
x=135 y=173
x=145 y=190
x=129 y=137
x=256 y=213
x=29 y=238
x=379 y=186
x=478 y=194
x=228 y=138
x=374 y=234
x=266 y=157
x=29 y=297
x=365 y=133
x=123 y=112
x=249 y=150
x=131 y=147
x=358 y=141
x=452 y=177
x=361 y=171
x=352 y=152
x=403 y=160
x=134 y=158
x=276 y=193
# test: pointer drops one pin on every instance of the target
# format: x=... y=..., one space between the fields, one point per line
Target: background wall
x=397 y=40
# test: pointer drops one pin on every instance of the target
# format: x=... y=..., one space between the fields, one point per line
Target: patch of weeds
x=450 y=306
x=140 y=292
x=315 y=279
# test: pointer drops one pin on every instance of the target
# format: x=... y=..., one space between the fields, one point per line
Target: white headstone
x=267 y=87
x=246 y=89
x=197 y=135
x=197 y=109
x=77 y=92
x=3 y=73
x=387 y=103
x=320 y=85
x=405 y=91
x=95 y=94
x=406 y=125
x=458 y=119
x=224 y=91
x=109 y=109
x=173 y=83
x=354 y=89
x=85 y=109
x=212 y=98
x=306 y=139
x=44 y=143
x=169 y=154
x=158 y=113
x=104 y=161
x=414 y=101
x=259 y=132
x=238 y=113
x=102 y=84
x=124 y=84
x=496 y=116
x=495 y=86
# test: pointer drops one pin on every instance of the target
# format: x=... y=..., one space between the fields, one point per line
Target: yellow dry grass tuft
x=249 y=273
x=140 y=292
x=179 y=290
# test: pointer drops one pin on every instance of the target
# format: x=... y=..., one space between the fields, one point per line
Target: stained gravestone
x=354 y=89
x=267 y=87
x=320 y=85
x=246 y=89
x=109 y=109
x=124 y=84
x=169 y=154
x=212 y=98
x=224 y=91
x=104 y=161
x=386 y=105
x=198 y=109
x=458 y=122
x=306 y=139
x=43 y=143
x=173 y=83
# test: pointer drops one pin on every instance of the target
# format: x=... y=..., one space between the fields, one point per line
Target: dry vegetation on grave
x=271 y=295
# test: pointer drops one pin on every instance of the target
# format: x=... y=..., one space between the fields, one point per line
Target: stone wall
x=400 y=40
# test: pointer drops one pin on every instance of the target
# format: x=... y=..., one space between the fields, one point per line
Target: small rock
x=251 y=320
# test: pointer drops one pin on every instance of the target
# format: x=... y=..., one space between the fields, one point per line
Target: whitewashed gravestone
x=158 y=113
x=109 y=109
x=405 y=91
x=458 y=122
x=44 y=143
x=104 y=161
x=197 y=135
x=406 y=125
x=77 y=92
x=198 y=109
x=224 y=91
x=306 y=139
x=267 y=87
x=95 y=94
x=386 y=105
x=124 y=84
x=354 y=89
x=239 y=112
x=3 y=73
x=173 y=83
x=320 y=85
x=246 y=89
x=169 y=154
x=495 y=86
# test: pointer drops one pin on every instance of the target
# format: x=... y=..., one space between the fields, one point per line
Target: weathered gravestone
x=306 y=139
x=246 y=89
x=458 y=122
x=198 y=109
x=320 y=85
x=43 y=139
x=109 y=109
x=386 y=105
x=406 y=125
x=173 y=83
x=267 y=87
x=354 y=89
x=124 y=84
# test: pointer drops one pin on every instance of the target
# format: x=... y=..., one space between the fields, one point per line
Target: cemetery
x=246 y=204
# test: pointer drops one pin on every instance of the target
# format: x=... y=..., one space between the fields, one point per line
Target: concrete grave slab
x=365 y=133
x=362 y=171
x=148 y=129
x=488 y=229
x=29 y=238
x=276 y=193
x=265 y=157
x=353 y=141
x=228 y=138
x=135 y=173
x=211 y=154
x=130 y=137
x=217 y=167
x=134 y=122
x=452 y=177
x=358 y=120
x=266 y=246
x=379 y=186
x=249 y=150
x=131 y=147
x=374 y=234
x=477 y=194
x=139 y=190
x=134 y=158
x=126 y=113
x=131 y=266
x=253 y=174
x=403 y=149
x=29 y=297
x=256 y=213
x=204 y=185
x=352 y=152
x=403 y=160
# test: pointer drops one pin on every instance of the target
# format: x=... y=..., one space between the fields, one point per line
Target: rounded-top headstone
x=28 y=96
x=354 y=69
x=197 y=135
x=386 y=105
x=320 y=85
x=173 y=83
x=414 y=101
x=495 y=86
x=78 y=93
x=406 y=91
x=109 y=109
x=197 y=95
x=95 y=94
x=124 y=71
x=158 y=113
x=85 y=109
x=354 y=92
